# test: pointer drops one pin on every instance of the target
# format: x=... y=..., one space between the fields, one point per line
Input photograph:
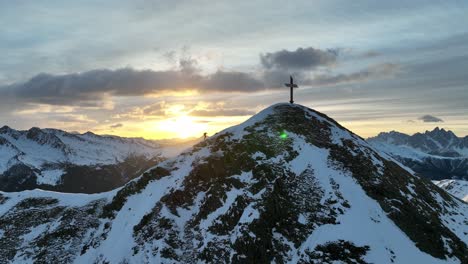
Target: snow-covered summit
x=288 y=186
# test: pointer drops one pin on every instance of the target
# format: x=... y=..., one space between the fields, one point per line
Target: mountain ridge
x=319 y=194
x=54 y=159
x=438 y=154
x=438 y=141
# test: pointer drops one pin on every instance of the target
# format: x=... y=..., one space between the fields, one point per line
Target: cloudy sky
x=162 y=69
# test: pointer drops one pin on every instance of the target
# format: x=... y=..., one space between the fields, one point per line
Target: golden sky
x=170 y=69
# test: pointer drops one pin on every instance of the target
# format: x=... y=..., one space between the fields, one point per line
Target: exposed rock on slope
x=315 y=194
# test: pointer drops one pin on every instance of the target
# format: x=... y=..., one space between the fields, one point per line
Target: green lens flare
x=283 y=135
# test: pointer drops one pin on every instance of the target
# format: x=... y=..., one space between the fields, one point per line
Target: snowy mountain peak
x=289 y=185
x=4 y=129
x=58 y=160
x=73 y=147
x=438 y=141
x=437 y=154
x=444 y=137
x=42 y=137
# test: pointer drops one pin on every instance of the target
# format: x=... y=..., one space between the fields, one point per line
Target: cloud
x=379 y=71
x=430 y=119
x=157 y=109
x=276 y=78
x=300 y=59
x=98 y=89
x=116 y=125
x=95 y=89
x=74 y=118
x=152 y=111
x=233 y=82
x=91 y=88
x=222 y=112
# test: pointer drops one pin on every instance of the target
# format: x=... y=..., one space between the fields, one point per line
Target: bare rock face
x=290 y=185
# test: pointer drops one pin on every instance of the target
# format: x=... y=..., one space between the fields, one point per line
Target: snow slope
x=457 y=188
x=247 y=195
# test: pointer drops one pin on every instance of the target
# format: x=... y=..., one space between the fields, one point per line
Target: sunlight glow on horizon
x=185 y=127
x=182 y=127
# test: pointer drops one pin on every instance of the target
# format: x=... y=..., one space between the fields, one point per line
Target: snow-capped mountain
x=289 y=185
x=56 y=160
x=457 y=188
x=437 y=154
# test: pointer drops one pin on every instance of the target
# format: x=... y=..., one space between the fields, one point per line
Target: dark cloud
x=300 y=59
x=95 y=88
x=430 y=119
x=232 y=82
x=276 y=78
x=89 y=88
x=222 y=112
x=154 y=109
x=375 y=72
x=116 y=125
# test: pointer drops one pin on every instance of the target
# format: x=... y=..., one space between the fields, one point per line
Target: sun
x=182 y=127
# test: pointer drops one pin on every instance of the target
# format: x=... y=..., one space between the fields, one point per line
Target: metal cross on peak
x=291 y=85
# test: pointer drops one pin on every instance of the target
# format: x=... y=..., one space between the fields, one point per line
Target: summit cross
x=291 y=85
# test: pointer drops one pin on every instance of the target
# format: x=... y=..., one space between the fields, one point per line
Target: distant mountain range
x=289 y=185
x=53 y=159
x=438 y=154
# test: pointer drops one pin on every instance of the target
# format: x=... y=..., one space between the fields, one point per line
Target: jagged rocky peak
x=44 y=138
x=444 y=137
x=4 y=129
x=34 y=132
x=437 y=140
x=437 y=154
x=439 y=131
x=435 y=133
x=289 y=185
x=393 y=137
